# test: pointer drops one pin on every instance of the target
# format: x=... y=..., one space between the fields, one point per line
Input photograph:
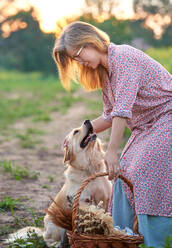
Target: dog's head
x=82 y=148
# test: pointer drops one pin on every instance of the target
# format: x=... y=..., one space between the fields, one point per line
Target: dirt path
x=46 y=157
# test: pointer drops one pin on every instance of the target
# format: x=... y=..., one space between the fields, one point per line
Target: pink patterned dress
x=140 y=89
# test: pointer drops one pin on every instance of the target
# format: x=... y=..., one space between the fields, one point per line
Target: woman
x=137 y=92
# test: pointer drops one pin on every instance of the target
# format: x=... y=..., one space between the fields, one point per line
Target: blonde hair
x=73 y=36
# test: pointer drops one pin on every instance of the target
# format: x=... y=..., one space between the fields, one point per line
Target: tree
x=28 y=48
x=10 y=7
x=100 y=7
x=152 y=7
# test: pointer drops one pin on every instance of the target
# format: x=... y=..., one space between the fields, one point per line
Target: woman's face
x=86 y=55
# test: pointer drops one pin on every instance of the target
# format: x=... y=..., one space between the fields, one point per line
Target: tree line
x=28 y=48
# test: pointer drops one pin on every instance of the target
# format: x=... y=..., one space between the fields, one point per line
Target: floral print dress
x=140 y=89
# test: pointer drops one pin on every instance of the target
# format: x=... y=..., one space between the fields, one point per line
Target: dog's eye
x=76 y=131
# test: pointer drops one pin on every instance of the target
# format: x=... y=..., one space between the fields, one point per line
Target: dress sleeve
x=128 y=75
x=107 y=107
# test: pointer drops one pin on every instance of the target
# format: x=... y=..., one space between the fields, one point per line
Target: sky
x=50 y=11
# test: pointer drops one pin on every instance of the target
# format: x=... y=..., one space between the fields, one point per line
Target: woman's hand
x=111 y=157
x=112 y=164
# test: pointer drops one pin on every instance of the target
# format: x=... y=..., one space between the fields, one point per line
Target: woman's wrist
x=112 y=147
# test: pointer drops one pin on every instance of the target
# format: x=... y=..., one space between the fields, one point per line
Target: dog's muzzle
x=90 y=136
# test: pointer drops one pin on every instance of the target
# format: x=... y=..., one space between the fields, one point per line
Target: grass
x=35 y=131
x=37 y=220
x=32 y=241
x=31 y=95
x=36 y=96
x=8 y=203
x=42 y=117
x=5 y=229
x=27 y=139
x=163 y=56
x=18 y=172
x=51 y=179
x=34 y=219
x=45 y=186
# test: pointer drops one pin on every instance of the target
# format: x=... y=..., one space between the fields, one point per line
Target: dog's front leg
x=51 y=231
x=64 y=239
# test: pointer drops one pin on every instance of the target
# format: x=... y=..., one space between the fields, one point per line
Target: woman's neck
x=104 y=61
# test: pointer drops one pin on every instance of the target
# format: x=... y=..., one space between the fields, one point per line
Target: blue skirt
x=154 y=229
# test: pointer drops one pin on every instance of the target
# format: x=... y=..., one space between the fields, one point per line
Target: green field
x=163 y=56
x=35 y=95
x=31 y=95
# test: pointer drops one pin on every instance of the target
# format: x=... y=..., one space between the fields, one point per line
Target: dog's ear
x=67 y=155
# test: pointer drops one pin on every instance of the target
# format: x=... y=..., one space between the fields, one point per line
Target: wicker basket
x=78 y=240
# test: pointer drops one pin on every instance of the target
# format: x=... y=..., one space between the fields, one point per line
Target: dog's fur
x=82 y=161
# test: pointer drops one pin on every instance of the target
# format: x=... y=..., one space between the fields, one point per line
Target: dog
x=83 y=156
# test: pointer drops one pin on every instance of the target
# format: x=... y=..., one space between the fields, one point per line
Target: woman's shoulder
x=124 y=51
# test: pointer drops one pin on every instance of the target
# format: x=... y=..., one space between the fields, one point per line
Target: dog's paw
x=50 y=243
x=51 y=231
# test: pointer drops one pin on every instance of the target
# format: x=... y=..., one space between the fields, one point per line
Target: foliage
x=33 y=241
x=51 y=179
x=30 y=49
x=34 y=95
x=5 y=229
x=122 y=31
x=153 y=7
x=100 y=7
x=163 y=56
x=8 y=203
x=37 y=221
x=27 y=49
x=27 y=139
x=17 y=171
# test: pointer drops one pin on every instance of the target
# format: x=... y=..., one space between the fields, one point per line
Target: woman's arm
x=111 y=158
x=100 y=124
x=118 y=127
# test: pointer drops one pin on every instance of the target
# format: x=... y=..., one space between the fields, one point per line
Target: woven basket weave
x=78 y=240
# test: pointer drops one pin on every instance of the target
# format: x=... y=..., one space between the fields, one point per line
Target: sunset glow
x=51 y=11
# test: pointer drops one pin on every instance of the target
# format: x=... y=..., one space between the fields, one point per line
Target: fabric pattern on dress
x=140 y=89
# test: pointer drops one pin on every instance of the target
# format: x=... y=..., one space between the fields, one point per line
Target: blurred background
x=28 y=27
x=36 y=113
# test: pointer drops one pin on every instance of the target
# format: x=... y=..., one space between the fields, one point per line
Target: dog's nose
x=89 y=126
x=86 y=122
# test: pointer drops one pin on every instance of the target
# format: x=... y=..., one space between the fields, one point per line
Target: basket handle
x=75 y=205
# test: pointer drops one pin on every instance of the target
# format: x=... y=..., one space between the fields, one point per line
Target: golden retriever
x=83 y=155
